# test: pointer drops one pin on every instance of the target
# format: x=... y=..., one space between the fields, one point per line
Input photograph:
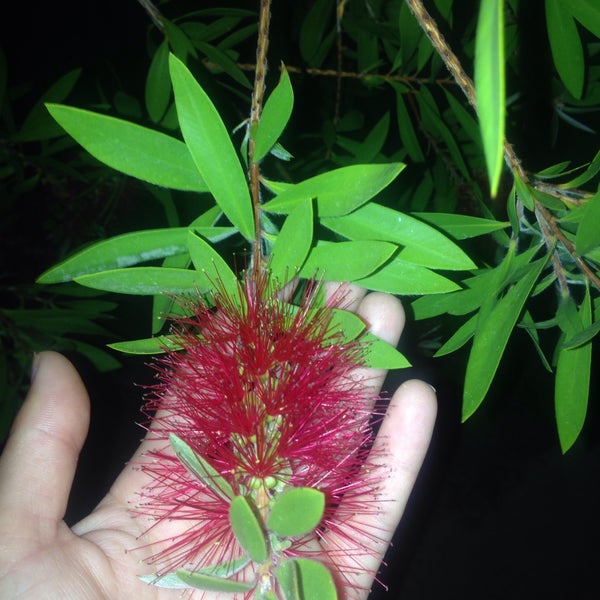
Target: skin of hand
x=42 y=558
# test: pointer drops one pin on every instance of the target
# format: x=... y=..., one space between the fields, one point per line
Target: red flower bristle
x=260 y=390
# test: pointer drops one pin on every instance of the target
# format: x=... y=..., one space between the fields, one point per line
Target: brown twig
x=313 y=72
x=258 y=93
x=154 y=14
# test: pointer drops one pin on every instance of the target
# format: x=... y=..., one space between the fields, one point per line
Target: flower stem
x=255 y=112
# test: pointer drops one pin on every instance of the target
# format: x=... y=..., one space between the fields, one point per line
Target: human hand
x=42 y=558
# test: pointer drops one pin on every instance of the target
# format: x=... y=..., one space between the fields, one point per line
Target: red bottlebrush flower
x=264 y=392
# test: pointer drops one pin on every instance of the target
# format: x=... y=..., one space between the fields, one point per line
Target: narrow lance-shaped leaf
x=275 y=116
x=572 y=381
x=132 y=149
x=144 y=281
x=153 y=345
x=38 y=125
x=126 y=250
x=222 y=570
x=461 y=227
x=565 y=44
x=211 y=148
x=201 y=469
x=330 y=260
x=210 y=265
x=211 y=583
x=293 y=244
x=490 y=85
x=588 y=232
x=158 y=84
x=337 y=192
x=491 y=336
x=405 y=126
x=423 y=244
x=401 y=277
x=459 y=338
x=379 y=354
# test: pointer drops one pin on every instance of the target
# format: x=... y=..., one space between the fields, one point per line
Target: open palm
x=41 y=557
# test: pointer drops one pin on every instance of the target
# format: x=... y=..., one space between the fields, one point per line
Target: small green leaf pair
x=296 y=512
x=293 y=513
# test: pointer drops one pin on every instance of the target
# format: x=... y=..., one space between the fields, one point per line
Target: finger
x=385 y=318
x=399 y=451
x=347 y=295
x=38 y=463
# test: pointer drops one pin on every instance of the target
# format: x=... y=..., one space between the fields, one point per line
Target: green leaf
x=229 y=66
x=315 y=581
x=524 y=193
x=461 y=227
x=531 y=328
x=248 y=529
x=379 y=354
x=572 y=382
x=211 y=148
x=178 y=40
x=158 y=84
x=424 y=245
x=581 y=179
x=296 y=511
x=210 y=265
x=460 y=337
x=126 y=250
x=145 y=281
x=588 y=231
x=565 y=44
x=337 y=192
x=406 y=129
x=331 y=260
x=465 y=118
x=38 y=125
x=211 y=583
x=313 y=42
x=433 y=120
x=201 y=469
x=132 y=149
x=293 y=244
x=490 y=85
x=153 y=345
x=275 y=116
x=222 y=570
x=288 y=577
x=587 y=12
x=405 y=278
x=348 y=324
x=583 y=336
x=494 y=327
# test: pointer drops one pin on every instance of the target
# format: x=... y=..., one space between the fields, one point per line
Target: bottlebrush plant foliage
x=399 y=170
x=405 y=162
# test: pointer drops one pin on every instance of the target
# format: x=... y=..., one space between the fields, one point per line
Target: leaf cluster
x=392 y=179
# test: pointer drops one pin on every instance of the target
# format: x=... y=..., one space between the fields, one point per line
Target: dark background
x=497 y=512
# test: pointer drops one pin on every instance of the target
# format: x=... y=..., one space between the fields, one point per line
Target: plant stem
x=154 y=14
x=258 y=93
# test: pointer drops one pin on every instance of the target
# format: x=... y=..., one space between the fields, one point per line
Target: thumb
x=38 y=463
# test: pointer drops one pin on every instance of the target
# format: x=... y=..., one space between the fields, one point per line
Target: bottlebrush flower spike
x=261 y=400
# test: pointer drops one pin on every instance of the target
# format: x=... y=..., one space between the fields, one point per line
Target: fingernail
x=35 y=365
